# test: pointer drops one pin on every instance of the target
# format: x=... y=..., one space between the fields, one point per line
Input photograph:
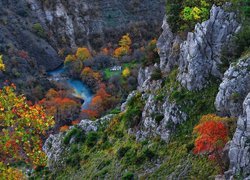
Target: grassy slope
x=115 y=154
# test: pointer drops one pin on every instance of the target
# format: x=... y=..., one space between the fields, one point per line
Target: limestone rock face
x=168 y=47
x=54 y=148
x=144 y=79
x=200 y=53
x=239 y=153
x=159 y=119
x=234 y=88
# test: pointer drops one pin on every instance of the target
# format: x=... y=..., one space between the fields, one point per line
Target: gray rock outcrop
x=200 y=54
x=239 y=153
x=55 y=148
x=234 y=88
x=159 y=119
x=168 y=46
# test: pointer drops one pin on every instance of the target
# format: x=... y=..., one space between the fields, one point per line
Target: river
x=80 y=90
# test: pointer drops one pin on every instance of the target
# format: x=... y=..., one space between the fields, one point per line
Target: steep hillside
x=153 y=136
x=43 y=28
x=176 y=107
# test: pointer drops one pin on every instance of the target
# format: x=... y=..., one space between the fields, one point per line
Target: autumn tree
x=63 y=108
x=83 y=53
x=184 y=14
x=73 y=65
x=151 y=52
x=21 y=128
x=101 y=102
x=2 y=66
x=212 y=135
x=74 y=62
x=10 y=173
x=126 y=72
x=91 y=78
x=124 y=46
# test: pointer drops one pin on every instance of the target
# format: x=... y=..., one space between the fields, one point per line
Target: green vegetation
x=113 y=153
x=156 y=75
x=37 y=28
x=184 y=14
x=78 y=135
x=132 y=117
x=108 y=73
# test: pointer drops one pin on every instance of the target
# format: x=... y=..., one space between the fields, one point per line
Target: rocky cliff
x=197 y=59
x=191 y=84
x=234 y=98
x=42 y=28
x=239 y=152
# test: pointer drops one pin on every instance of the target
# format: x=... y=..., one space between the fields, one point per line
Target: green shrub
x=184 y=14
x=132 y=116
x=159 y=118
x=122 y=151
x=92 y=139
x=75 y=133
x=156 y=74
x=37 y=27
x=160 y=97
x=235 y=97
x=73 y=160
x=128 y=176
x=148 y=154
x=242 y=40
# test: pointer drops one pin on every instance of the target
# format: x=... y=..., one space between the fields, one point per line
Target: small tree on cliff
x=212 y=135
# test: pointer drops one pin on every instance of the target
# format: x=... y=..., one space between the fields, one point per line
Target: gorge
x=137 y=89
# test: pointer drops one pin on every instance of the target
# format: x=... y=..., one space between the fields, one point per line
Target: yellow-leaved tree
x=2 y=66
x=21 y=129
x=126 y=72
x=124 y=48
x=83 y=53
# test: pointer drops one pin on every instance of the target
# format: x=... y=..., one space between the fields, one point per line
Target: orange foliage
x=212 y=136
x=75 y=122
x=99 y=103
x=87 y=71
x=64 y=128
x=90 y=113
x=21 y=128
x=121 y=51
x=105 y=51
x=59 y=106
x=124 y=48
